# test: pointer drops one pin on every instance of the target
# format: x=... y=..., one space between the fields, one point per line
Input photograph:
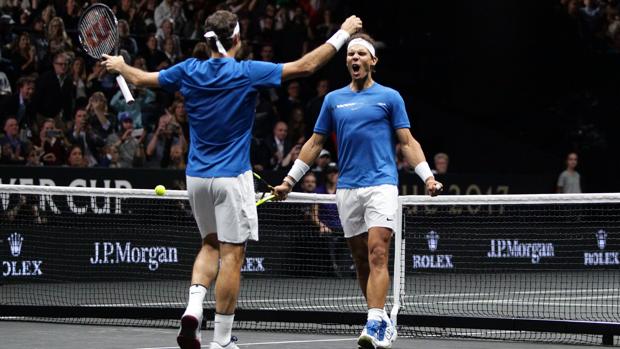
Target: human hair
x=441 y=156
x=25 y=80
x=222 y=23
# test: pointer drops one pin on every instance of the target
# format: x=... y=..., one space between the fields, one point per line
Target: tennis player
x=368 y=119
x=220 y=95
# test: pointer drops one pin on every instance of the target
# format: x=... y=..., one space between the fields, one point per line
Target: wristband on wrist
x=298 y=170
x=423 y=171
x=289 y=181
x=339 y=39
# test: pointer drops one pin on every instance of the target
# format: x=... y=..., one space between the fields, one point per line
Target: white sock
x=223 y=328
x=376 y=314
x=197 y=295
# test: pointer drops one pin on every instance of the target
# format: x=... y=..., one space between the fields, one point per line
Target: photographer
x=52 y=141
x=167 y=134
x=81 y=134
x=101 y=122
x=129 y=142
x=143 y=97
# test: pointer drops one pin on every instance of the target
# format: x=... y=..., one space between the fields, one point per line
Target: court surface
x=35 y=335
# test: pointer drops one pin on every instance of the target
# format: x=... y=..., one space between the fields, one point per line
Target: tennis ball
x=160 y=190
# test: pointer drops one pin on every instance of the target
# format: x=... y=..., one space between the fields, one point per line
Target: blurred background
x=506 y=89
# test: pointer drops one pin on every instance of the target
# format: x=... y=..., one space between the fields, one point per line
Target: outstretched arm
x=413 y=154
x=133 y=75
x=308 y=154
x=316 y=58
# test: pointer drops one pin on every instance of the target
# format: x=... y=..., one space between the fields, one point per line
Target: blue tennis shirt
x=220 y=99
x=364 y=123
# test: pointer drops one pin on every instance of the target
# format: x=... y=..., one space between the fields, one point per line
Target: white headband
x=220 y=48
x=362 y=42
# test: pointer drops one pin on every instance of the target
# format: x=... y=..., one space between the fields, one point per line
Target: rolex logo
x=601 y=239
x=15 y=243
x=432 y=239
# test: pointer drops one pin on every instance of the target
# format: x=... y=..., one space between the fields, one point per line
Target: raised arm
x=309 y=152
x=315 y=59
x=133 y=75
x=413 y=154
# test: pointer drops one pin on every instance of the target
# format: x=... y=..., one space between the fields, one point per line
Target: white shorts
x=225 y=205
x=363 y=208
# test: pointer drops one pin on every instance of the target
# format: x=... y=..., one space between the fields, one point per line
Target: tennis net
x=527 y=267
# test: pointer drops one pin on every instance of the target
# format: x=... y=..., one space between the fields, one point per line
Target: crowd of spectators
x=60 y=107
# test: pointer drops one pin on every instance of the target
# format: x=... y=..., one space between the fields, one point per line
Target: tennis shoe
x=377 y=334
x=230 y=345
x=189 y=334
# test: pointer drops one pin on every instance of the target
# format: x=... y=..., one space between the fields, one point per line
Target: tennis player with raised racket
x=220 y=96
x=368 y=119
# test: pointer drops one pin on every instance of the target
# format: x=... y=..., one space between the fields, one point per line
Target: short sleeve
x=561 y=180
x=171 y=78
x=399 y=112
x=264 y=74
x=324 y=121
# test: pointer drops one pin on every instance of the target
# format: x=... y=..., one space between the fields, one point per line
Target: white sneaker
x=377 y=334
x=230 y=345
x=189 y=334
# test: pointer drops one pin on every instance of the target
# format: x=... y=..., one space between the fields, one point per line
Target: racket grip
x=124 y=89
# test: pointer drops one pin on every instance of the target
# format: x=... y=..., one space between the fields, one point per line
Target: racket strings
x=98 y=32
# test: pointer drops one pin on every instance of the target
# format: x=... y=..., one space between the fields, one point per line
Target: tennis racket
x=98 y=34
x=265 y=197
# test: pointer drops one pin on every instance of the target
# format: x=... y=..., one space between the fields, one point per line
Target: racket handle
x=124 y=89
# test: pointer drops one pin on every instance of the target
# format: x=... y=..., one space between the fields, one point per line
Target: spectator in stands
x=101 y=121
x=13 y=149
x=111 y=158
x=170 y=52
x=130 y=144
x=167 y=134
x=569 y=180
x=177 y=109
x=81 y=134
x=170 y=9
x=24 y=55
x=297 y=126
x=57 y=37
x=55 y=92
x=126 y=11
x=142 y=98
x=441 y=163
x=321 y=163
x=79 y=77
x=39 y=39
x=278 y=146
x=51 y=141
x=291 y=100
x=155 y=59
x=313 y=108
x=76 y=157
x=327 y=27
x=70 y=13
x=126 y=42
x=165 y=32
x=177 y=157
x=20 y=104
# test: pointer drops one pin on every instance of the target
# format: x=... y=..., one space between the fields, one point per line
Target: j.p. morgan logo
x=16 y=266
x=432 y=261
x=601 y=257
x=108 y=252
x=516 y=249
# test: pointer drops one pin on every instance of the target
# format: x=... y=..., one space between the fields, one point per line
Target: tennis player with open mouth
x=220 y=96
x=368 y=119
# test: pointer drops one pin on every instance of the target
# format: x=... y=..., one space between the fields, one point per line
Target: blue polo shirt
x=365 y=124
x=220 y=99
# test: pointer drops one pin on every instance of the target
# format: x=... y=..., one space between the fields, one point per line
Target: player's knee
x=378 y=256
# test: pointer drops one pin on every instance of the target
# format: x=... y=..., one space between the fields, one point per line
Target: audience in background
x=569 y=180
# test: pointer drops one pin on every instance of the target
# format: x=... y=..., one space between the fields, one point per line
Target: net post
x=398 y=263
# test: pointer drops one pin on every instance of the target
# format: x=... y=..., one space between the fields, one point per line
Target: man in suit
x=55 y=92
x=278 y=146
x=20 y=104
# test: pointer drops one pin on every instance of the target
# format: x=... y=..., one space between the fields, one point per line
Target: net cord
x=406 y=200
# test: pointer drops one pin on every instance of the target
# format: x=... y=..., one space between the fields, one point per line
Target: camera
x=53 y=133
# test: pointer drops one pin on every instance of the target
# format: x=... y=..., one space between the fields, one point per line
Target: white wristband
x=339 y=39
x=298 y=170
x=423 y=171
x=289 y=181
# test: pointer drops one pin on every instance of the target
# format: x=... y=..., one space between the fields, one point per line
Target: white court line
x=272 y=343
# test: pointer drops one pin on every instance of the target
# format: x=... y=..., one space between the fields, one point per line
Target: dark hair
x=223 y=24
x=24 y=80
x=365 y=37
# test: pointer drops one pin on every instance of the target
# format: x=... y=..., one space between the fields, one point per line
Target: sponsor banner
x=469 y=249
x=17 y=264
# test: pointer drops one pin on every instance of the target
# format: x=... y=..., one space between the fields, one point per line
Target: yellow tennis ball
x=160 y=190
